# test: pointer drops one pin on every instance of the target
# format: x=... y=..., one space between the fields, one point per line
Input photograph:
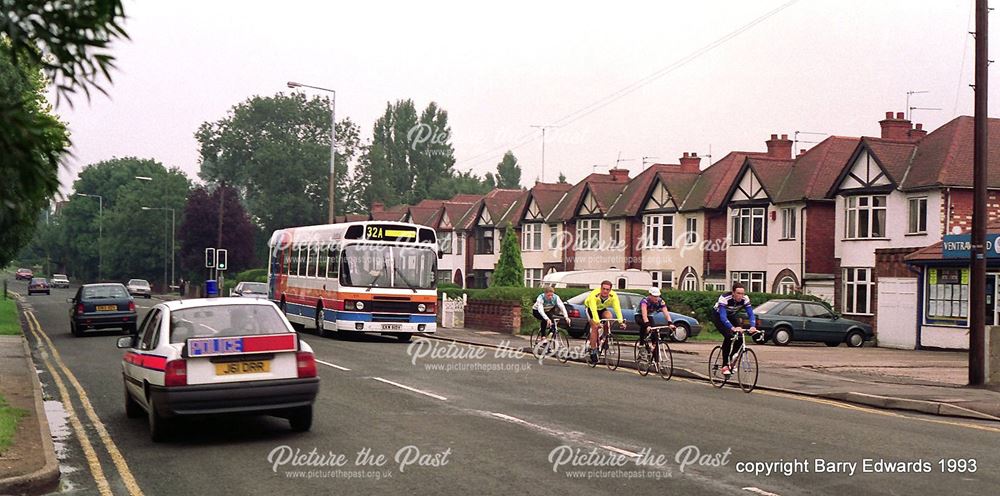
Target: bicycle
x=658 y=356
x=743 y=360
x=609 y=349
x=557 y=346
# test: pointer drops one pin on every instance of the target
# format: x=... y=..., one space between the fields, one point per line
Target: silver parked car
x=59 y=281
x=139 y=287
x=250 y=290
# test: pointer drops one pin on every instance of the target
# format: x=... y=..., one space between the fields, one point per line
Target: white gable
x=865 y=173
x=533 y=213
x=484 y=217
x=660 y=198
x=749 y=188
x=589 y=205
x=445 y=221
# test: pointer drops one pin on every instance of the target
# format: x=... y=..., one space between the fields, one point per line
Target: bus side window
x=321 y=264
x=287 y=261
x=333 y=264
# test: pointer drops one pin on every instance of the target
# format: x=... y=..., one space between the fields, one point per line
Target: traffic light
x=209 y=258
x=221 y=255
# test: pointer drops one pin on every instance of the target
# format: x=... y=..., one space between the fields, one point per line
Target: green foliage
x=252 y=275
x=508 y=173
x=32 y=142
x=509 y=269
x=200 y=230
x=69 y=40
x=276 y=152
x=9 y=418
x=10 y=324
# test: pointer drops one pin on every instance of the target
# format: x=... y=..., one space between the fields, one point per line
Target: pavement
x=931 y=382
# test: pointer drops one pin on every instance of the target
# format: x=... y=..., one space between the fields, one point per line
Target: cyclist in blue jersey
x=647 y=308
x=724 y=315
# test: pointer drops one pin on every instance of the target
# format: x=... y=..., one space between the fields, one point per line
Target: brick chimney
x=619 y=175
x=897 y=128
x=917 y=133
x=690 y=162
x=779 y=147
x=378 y=207
x=802 y=152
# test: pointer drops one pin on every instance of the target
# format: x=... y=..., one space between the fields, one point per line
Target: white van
x=621 y=279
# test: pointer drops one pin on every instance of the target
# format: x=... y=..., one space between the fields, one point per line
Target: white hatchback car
x=217 y=356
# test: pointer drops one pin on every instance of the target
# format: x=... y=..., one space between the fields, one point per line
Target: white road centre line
x=621 y=451
x=338 y=367
x=408 y=388
x=759 y=491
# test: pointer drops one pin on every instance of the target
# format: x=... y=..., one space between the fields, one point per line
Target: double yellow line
x=48 y=352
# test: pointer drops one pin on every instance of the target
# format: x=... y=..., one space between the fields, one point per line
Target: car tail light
x=574 y=313
x=131 y=306
x=305 y=362
x=79 y=308
x=176 y=373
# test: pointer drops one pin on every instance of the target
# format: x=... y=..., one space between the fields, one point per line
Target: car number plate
x=244 y=367
x=392 y=327
x=107 y=308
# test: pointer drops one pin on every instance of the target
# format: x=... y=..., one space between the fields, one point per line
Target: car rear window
x=255 y=287
x=102 y=292
x=225 y=320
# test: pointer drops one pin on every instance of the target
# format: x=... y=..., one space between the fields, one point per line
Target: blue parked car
x=578 y=327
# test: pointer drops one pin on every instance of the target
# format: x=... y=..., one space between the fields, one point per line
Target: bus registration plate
x=392 y=327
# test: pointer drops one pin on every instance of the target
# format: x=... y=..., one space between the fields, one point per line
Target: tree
x=508 y=173
x=562 y=178
x=275 y=151
x=68 y=41
x=200 y=230
x=32 y=141
x=509 y=269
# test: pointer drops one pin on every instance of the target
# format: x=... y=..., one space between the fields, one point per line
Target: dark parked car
x=39 y=285
x=102 y=306
x=23 y=275
x=784 y=321
x=578 y=327
x=250 y=290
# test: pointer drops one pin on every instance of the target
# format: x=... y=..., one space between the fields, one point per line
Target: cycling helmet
x=654 y=291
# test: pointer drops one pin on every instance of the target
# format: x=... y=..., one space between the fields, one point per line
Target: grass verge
x=10 y=325
x=9 y=418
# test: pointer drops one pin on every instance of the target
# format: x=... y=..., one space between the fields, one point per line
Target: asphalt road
x=476 y=423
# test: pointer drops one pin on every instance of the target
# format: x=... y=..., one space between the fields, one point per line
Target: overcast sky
x=819 y=66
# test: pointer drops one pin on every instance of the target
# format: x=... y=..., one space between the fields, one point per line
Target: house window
x=690 y=282
x=616 y=235
x=658 y=231
x=691 y=232
x=460 y=246
x=443 y=276
x=588 y=234
x=786 y=285
x=532 y=278
x=752 y=281
x=788 y=223
x=444 y=241
x=858 y=286
x=918 y=216
x=864 y=217
x=663 y=278
x=748 y=226
x=484 y=241
x=946 y=298
x=715 y=286
x=531 y=237
x=554 y=243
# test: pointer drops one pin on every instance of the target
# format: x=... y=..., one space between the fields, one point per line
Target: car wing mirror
x=127 y=341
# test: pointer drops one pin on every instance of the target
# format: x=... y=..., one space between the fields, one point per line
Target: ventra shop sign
x=958 y=246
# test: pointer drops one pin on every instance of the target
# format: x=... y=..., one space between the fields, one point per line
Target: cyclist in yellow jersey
x=597 y=304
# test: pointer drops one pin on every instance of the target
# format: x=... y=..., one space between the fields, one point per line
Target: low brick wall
x=499 y=316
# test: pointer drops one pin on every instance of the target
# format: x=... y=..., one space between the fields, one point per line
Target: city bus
x=368 y=277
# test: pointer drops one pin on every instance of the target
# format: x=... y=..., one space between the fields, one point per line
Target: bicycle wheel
x=643 y=360
x=613 y=355
x=562 y=346
x=747 y=370
x=715 y=368
x=665 y=364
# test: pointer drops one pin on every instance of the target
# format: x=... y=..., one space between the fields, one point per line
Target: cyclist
x=544 y=310
x=597 y=304
x=724 y=317
x=647 y=308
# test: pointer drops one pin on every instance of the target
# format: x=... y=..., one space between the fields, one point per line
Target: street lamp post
x=333 y=139
x=100 y=233
x=173 y=236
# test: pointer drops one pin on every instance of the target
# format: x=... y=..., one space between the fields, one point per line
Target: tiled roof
x=425 y=216
x=500 y=202
x=771 y=172
x=634 y=194
x=894 y=156
x=351 y=218
x=944 y=157
x=712 y=186
x=547 y=196
x=457 y=211
x=396 y=213
x=817 y=169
